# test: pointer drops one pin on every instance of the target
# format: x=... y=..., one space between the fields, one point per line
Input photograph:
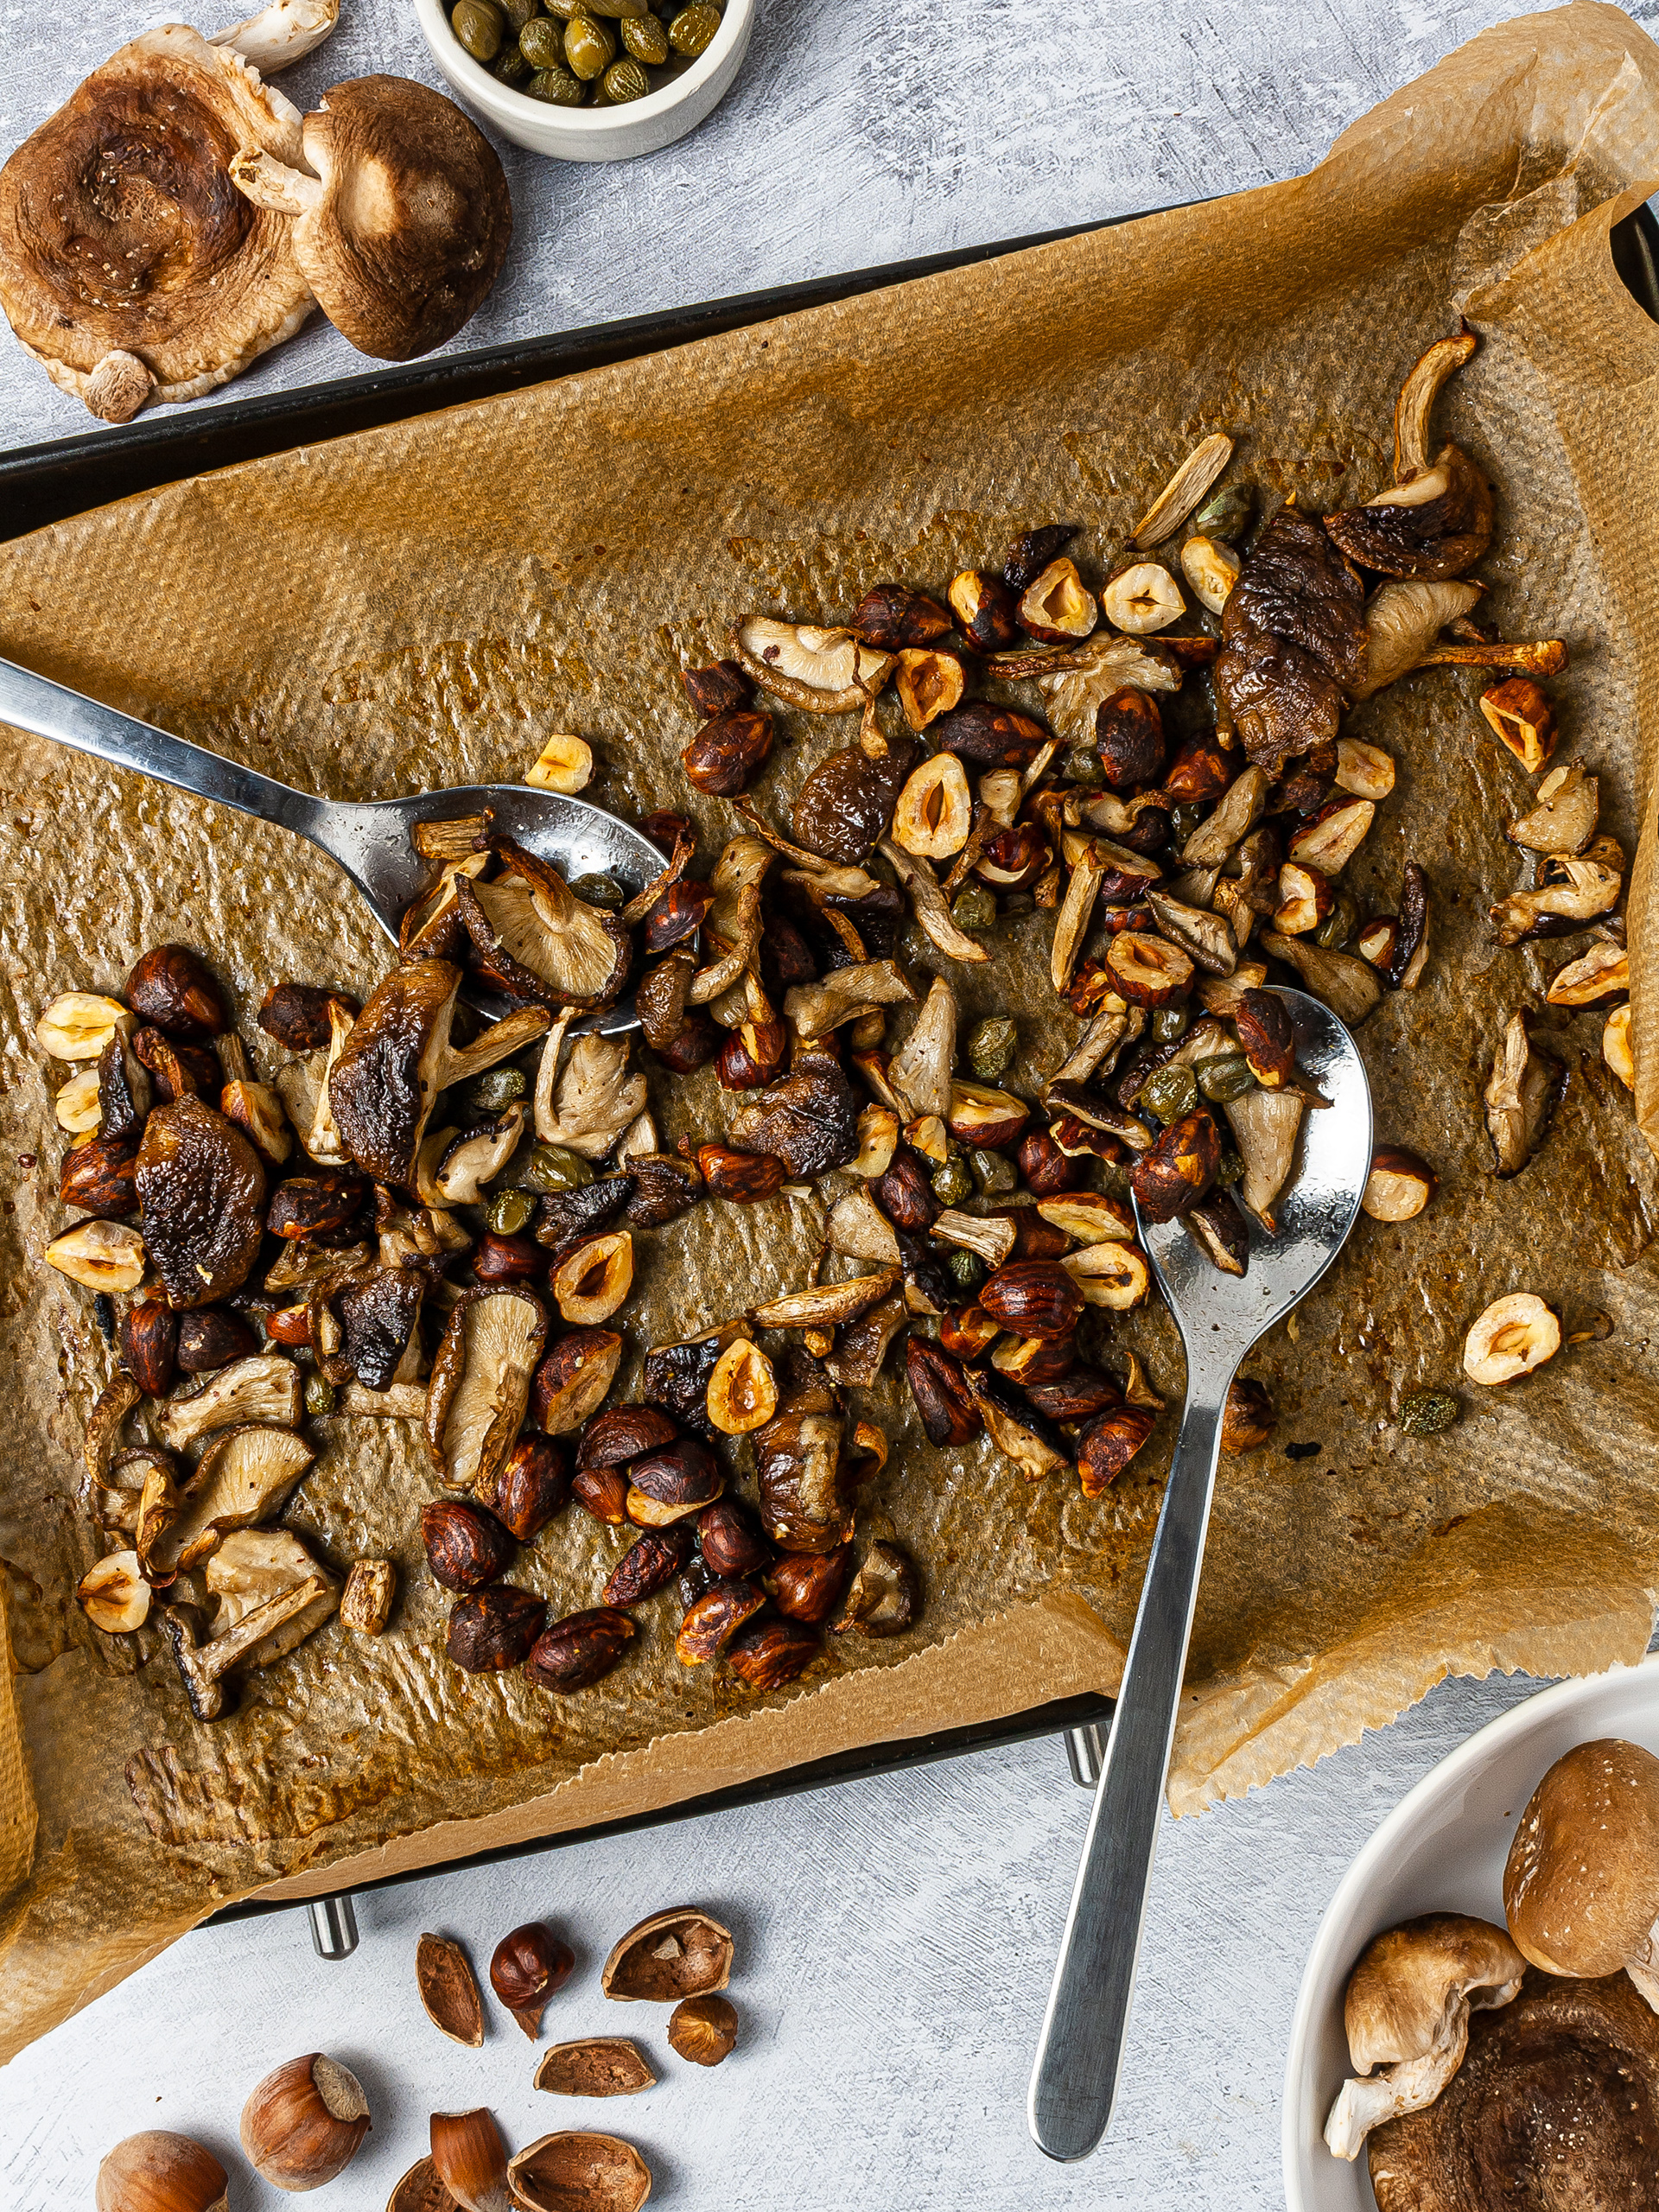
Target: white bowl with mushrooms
x=593 y=134
x=1442 y=1850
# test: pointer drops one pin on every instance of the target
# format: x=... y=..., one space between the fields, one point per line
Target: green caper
x=1226 y=1077
x=995 y=1173
x=1426 y=1413
x=692 y=30
x=1339 y=924
x=510 y=67
x=1169 y=1022
x=1225 y=513
x=518 y=14
x=1229 y=1168
x=599 y=891
x=624 y=80
x=1081 y=765
x=990 y=1047
x=974 y=907
x=319 y=1395
x=616 y=7
x=541 y=43
x=1184 y=820
x=496 y=1088
x=953 y=1180
x=508 y=1212
x=481 y=27
x=590 y=48
x=550 y=1168
x=966 y=1269
x=557 y=87
x=564 y=8
x=644 y=38
x=1169 y=1092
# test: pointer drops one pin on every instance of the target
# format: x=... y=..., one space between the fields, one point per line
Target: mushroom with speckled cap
x=1581 y=1883
x=1406 y=2010
x=404 y=226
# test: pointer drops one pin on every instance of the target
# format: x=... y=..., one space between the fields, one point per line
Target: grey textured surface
x=895 y=1938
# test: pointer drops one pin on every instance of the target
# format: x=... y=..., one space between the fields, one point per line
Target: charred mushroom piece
x=539 y=942
x=480 y=1383
x=403 y=228
x=932 y=912
x=398 y=1058
x=466 y=1164
x=861 y=1346
x=1406 y=2010
x=919 y=1072
x=266 y=1389
x=1572 y=893
x=886 y=1597
x=377 y=1316
x=126 y=269
x=847 y=995
x=1581 y=1882
x=821 y=671
x=1593 y=979
x=1522 y=1094
x=201 y=1189
x=1221 y=1233
x=1294 y=640
x=1014 y=1426
x=797 y=1463
x=1434 y=520
x=808 y=1120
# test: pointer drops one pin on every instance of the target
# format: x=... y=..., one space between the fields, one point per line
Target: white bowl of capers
x=589 y=80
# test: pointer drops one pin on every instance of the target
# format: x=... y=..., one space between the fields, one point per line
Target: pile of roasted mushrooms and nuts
x=1520 y=2064
x=412 y=1215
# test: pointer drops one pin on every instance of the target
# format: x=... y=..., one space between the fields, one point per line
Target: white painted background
x=894 y=1938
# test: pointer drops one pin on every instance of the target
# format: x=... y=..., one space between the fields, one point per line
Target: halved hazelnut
x=1400 y=1184
x=1330 y=840
x=1512 y=1336
x=1616 y=1047
x=78 y=1025
x=101 y=1255
x=1520 y=712
x=564 y=764
x=984 y=1117
x=878 y=1139
x=1110 y=1273
x=1148 y=970
x=967 y=1331
x=1013 y=859
x=986 y=612
x=590 y=1285
x=1305 y=899
x=1378 y=941
x=114 y=1595
x=1365 y=770
x=935 y=810
x=1211 y=568
x=1109 y=1444
x=1142 y=599
x=1089 y=1217
x=572 y=1381
x=1035 y=1359
x=929 y=685
x=1057 y=605
x=742 y=1390
x=77 y=1106
x=1601 y=973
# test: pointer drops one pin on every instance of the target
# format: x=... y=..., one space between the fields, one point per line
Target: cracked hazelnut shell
x=673 y=1954
x=596 y=2066
x=448 y=1989
x=580 y=2172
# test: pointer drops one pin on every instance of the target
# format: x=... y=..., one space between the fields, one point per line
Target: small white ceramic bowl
x=593 y=134
x=1442 y=1849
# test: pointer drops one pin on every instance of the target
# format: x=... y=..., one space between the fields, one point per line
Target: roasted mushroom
x=480 y=1382
x=244 y=1475
x=585 y=1107
x=797 y=1463
x=821 y=671
x=271 y=1593
x=1522 y=1094
x=808 y=1120
x=537 y=941
x=201 y=1189
x=1293 y=638
x=1434 y=520
x=265 y=1388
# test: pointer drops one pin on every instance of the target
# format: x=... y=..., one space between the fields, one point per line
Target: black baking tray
x=43 y=484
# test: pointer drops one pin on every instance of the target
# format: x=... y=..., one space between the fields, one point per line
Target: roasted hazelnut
x=1081 y=1395
x=743 y=1178
x=1149 y=833
x=1306 y=898
x=1045 y=1168
x=738 y=1066
x=886 y=1597
x=1266 y=1038
x=507 y=1259
x=716 y=689
x=1027 y=1360
x=700 y=1038
x=1519 y=710
x=1247 y=1417
x=1148 y=970
x=1109 y=1444
x=211 y=1337
x=1199 y=771
x=104 y=1255
x=590 y=1283
x=150 y=1344
x=1616 y=1046
x=742 y=1390
x=714 y=1618
x=1034 y=1298
x=1055 y=606
x=1376 y=941
x=1399 y=1185
x=1013 y=858
x=624 y=1433
x=665 y=828
x=1512 y=1336
x=650 y=1563
x=987 y=1119
x=318 y=1205
x=682 y=1474
x=574 y=1653
x=966 y=1331
x=158 y=2171
x=771 y=1651
x=489 y=1630
x=602 y=1491
x=986 y=612
x=935 y=809
x=100 y=1176
x=531 y=1487
x=304 y=2122
x=1177 y=1170
x=728 y=751
x=943 y=1398
x=171 y=989
x=929 y=685
x=732 y=1547
x=297 y=1015
x=892 y=615
x=572 y=1381
x=991 y=737
x=466 y=1547
x=679 y=913
x=807 y=1585
x=1129 y=739
x=526 y=1969
x=905 y=1194
x=178 y=1069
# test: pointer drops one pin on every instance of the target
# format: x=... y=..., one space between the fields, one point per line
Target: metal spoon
x=1080 y=2051
x=369 y=841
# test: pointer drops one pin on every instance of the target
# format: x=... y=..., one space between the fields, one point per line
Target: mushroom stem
x=269 y=183
x=1409 y=2087
x=281 y=33
x=1417 y=402
x=1540 y=656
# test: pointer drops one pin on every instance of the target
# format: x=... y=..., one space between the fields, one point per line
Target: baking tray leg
x=333 y=1926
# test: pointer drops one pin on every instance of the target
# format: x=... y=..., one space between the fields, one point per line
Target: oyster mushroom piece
x=1264 y=1125
x=597 y=1096
x=559 y=2173
x=821 y=671
x=1574 y=892
x=201 y=1192
x=846 y=995
x=858 y=1228
x=1406 y=2010
x=1581 y=1882
x=1014 y=1426
x=1522 y=1094
x=537 y=941
x=1348 y=985
x=919 y=1072
x=282 y=32
x=128 y=177
x=398 y=1058
x=470 y=1161
x=1076 y=683
x=244 y=1476
x=1402 y=621
x=480 y=1382
x=404 y=226
x=931 y=908
x=266 y=1389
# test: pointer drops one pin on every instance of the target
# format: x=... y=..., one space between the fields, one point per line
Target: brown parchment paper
x=421 y=606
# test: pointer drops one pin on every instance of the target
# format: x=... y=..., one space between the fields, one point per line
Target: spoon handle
x=1080 y=2049
x=49 y=710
